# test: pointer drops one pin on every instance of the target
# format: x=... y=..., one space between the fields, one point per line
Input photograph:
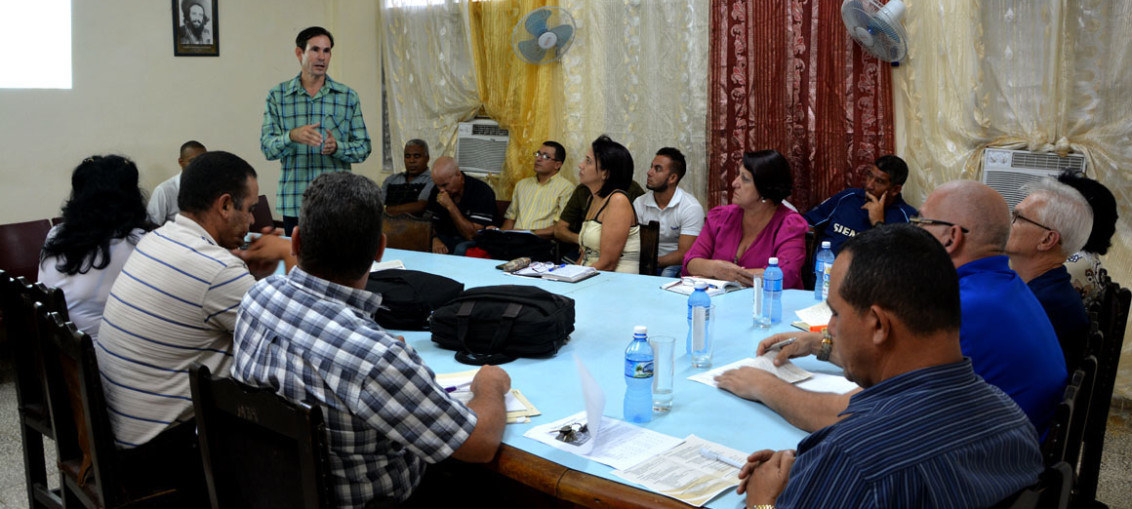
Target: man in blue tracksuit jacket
x=855 y=210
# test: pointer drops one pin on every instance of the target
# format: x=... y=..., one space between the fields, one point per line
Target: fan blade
x=861 y=17
x=530 y=51
x=536 y=21
x=564 y=33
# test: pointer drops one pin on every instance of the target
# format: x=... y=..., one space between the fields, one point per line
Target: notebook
x=686 y=285
x=562 y=272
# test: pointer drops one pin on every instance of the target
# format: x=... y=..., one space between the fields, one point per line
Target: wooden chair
x=34 y=416
x=259 y=450
x=1112 y=320
x=1051 y=492
x=813 y=241
x=408 y=232
x=20 y=244
x=81 y=422
x=650 y=247
x=262 y=215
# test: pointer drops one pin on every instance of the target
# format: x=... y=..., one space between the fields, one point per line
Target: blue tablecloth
x=608 y=306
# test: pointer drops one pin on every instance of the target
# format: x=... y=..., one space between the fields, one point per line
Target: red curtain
x=785 y=75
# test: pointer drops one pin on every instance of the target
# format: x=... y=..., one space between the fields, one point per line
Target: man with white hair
x=1051 y=223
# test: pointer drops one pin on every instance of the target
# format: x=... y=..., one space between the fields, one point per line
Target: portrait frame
x=190 y=42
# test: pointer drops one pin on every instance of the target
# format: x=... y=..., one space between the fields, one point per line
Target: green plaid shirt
x=337 y=109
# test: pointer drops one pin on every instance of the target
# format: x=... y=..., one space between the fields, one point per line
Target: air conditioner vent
x=1006 y=171
x=1043 y=161
x=489 y=130
x=481 y=146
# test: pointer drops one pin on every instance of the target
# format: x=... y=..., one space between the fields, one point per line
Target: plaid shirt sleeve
x=402 y=400
x=274 y=136
x=353 y=140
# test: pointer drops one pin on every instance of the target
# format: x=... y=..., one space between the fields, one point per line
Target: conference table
x=607 y=308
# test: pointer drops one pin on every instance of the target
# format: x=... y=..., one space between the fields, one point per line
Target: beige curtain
x=1046 y=75
x=637 y=72
x=430 y=79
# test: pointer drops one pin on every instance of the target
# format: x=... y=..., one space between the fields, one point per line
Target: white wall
x=131 y=96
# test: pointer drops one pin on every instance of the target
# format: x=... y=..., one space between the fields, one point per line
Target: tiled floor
x=1115 y=482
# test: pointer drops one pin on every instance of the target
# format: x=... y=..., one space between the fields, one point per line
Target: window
x=39 y=33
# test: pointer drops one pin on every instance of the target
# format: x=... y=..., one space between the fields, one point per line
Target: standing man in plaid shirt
x=313 y=123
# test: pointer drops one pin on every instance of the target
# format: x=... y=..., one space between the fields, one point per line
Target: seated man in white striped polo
x=174 y=304
x=926 y=430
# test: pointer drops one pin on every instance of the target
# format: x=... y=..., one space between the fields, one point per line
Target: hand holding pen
x=790 y=345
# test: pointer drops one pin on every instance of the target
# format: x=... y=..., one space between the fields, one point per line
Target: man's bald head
x=444 y=166
x=977 y=208
x=447 y=176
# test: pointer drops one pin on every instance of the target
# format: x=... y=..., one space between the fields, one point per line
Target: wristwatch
x=826 y=346
x=761 y=506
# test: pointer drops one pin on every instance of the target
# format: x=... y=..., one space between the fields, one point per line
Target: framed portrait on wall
x=195 y=28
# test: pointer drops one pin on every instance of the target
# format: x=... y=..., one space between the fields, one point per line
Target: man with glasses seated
x=1048 y=226
x=1004 y=330
x=539 y=199
x=855 y=210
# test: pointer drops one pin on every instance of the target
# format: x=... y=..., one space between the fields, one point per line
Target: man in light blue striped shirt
x=175 y=304
x=926 y=431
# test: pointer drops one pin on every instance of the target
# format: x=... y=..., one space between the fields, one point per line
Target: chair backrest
x=813 y=241
x=262 y=215
x=1057 y=437
x=19 y=301
x=1051 y=492
x=1084 y=378
x=74 y=385
x=408 y=232
x=20 y=244
x=1112 y=318
x=650 y=247
x=259 y=450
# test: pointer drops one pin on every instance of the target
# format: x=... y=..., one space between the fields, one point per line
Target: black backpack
x=505 y=245
x=496 y=324
x=408 y=297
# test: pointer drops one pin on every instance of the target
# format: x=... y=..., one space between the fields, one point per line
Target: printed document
x=685 y=474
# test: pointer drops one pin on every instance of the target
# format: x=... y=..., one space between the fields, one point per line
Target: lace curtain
x=1046 y=75
x=637 y=72
x=785 y=75
x=430 y=78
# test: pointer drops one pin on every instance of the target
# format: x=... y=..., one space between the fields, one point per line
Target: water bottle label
x=825 y=282
x=638 y=369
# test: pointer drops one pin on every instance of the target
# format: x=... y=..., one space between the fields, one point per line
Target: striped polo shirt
x=934 y=437
x=535 y=205
x=174 y=304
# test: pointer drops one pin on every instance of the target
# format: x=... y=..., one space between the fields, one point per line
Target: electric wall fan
x=543 y=35
x=877 y=27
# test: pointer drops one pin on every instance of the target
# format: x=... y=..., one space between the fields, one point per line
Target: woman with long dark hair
x=103 y=220
x=610 y=236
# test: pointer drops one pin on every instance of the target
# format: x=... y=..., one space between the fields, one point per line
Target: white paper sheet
x=818 y=314
x=621 y=445
x=823 y=382
x=788 y=372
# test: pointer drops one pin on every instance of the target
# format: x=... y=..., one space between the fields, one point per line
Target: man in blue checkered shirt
x=311 y=337
x=313 y=123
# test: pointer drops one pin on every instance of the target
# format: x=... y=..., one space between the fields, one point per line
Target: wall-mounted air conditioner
x=1006 y=171
x=481 y=146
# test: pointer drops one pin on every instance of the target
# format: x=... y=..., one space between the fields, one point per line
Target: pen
x=556 y=267
x=712 y=455
x=455 y=388
x=780 y=344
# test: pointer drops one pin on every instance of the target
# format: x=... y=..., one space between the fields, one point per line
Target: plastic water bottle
x=772 y=292
x=823 y=259
x=638 y=377
x=698 y=298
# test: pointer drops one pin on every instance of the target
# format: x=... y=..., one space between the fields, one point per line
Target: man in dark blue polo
x=852 y=211
x=1051 y=223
